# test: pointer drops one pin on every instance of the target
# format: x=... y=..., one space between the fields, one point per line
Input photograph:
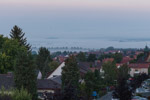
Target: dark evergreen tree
x=70 y=79
x=91 y=58
x=137 y=80
x=24 y=73
x=81 y=57
x=93 y=82
x=89 y=84
x=122 y=91
x=97 y=81
x=17 y=34
x=43 y=60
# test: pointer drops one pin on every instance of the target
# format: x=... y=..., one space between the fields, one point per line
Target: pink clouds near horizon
x=129 y=5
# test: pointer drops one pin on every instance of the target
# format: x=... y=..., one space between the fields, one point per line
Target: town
x=104 y=74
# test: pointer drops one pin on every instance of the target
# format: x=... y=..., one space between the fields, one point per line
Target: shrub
x=5 y=97
x=138 y=94
x=21 y=95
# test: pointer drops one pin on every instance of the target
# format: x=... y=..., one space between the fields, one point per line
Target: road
x=108 y=96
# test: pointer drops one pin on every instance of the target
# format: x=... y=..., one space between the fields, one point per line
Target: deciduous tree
x=110 y=73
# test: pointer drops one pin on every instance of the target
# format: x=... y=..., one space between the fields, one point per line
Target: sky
x=77 y=18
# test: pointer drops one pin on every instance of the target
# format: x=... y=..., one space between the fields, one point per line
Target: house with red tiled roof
x=126 y=60
x=138 y=68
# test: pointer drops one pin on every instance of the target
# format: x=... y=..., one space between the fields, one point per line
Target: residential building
x=138 y=68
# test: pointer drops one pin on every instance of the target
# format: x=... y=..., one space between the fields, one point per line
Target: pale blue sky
x=76 y=18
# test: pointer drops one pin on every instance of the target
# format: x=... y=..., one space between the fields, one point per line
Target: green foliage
x=110 y=73
x=17 y=34
x=43 y=60
x=110 y=48
x=70 y=79
x=91 y=58
x=89 y=83
x=53 y=65
x=122 y=91
x=4 y=95
x=102 y=92
x=8 y=52
x=2 y=91
x=140 y=55
x=21 y=94
x=24 y=73
x=81 y=57
x=138 y=94
x=123 y=72
x=118 y=57
x=93 y=82
x=103 y=56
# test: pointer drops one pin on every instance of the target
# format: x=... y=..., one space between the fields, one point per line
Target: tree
x=118 y=57
x=8 y=52
x=89 y=84
x=24 y=73
x=91 y=58
x=122 y=91
x=110 y=48
x=123 y=71
x=138 y=79
x=70 y=79
x=17 y=34
x=53 y=65
x=81 y=57
x=110 y=74
x=93 y=82
x=43 y=60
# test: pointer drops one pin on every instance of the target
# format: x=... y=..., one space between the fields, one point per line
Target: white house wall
x=58 y=71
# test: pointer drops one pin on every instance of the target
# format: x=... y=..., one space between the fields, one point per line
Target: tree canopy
x=8 y=51
x=24 y=73
x=70 y=79
x=17 y=34
x=110 y=72
x=43 y=60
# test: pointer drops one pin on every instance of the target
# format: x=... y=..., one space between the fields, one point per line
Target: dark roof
x=84 y=65
x=6 y=81
x=87 y=65
x=47 y=84
x=57 y=79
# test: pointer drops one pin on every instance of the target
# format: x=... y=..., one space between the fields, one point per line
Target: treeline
x=83 y=56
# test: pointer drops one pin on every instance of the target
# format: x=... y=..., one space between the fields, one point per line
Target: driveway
x=108 y=96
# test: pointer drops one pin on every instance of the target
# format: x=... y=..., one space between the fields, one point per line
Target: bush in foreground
x=21 y=95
